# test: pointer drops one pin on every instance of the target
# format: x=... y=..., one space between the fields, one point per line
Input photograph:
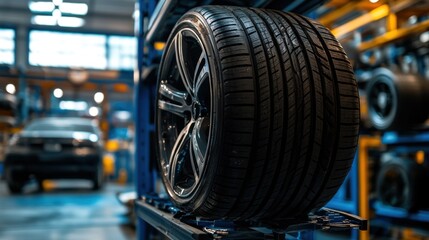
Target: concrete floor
x=70 y=210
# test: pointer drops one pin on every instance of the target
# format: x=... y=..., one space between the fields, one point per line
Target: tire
x=40 y=186
x=266 y=127
x=15 y=187
x=401 y=183
x=98 y=179
x=393 y=98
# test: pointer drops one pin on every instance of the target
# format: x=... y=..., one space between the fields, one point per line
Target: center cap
x=382 y=100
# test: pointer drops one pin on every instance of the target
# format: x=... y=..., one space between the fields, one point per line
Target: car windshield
x=60 y=126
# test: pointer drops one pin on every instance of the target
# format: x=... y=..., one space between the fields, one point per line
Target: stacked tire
x=402 y=182
x=397 y=101
x=257 y=114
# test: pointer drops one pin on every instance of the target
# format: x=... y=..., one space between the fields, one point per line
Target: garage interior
x=214 y=119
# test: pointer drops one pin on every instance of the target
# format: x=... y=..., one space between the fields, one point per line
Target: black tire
x=98 y=179
x=393 y=99
x=41 y=188
x=402 y=182
x=280 y=123
x=15 y=187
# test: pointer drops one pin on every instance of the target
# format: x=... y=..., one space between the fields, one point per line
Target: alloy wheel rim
x=183 y=113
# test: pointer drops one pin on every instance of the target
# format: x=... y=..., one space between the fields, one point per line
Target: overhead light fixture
x=57 y=2
x=73 y=105
x=373 y=1
x=98 y=97
x=424 y=37
x=93 y=111
x=44 y=20
x=41 y=6
x=74 y=8
x=71 y=22
x=58 y=93
x=56 y=14
x=10 y=88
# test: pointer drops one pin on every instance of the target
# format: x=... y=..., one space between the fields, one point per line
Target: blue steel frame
x=143 y=90
x=342 y=201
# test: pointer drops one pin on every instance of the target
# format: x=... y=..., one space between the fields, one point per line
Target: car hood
x=60 y=134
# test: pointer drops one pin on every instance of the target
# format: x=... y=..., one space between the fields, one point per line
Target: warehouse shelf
x=400 y=213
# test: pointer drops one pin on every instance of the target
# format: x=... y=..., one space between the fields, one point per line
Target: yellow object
x=374 y=15
x=409 y=234
x=108 y=165
x=112 y=145
x=334 y=15
x=122 y=177
x=159 y=45
x=392 y=22
x=365 y=143
x=121 y=87
x=420 y=157
x=48 y=185
x=394 y=35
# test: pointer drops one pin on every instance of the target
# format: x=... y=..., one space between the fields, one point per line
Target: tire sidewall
x=383 y=76
x=196 y=22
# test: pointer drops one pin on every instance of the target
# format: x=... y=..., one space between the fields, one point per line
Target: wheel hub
x=196 y=110
x=382 y=100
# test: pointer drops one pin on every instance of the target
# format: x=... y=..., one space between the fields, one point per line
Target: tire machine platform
x=171 y=222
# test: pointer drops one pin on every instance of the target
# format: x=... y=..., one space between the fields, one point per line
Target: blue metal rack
x=347 y=197
x=162 y=215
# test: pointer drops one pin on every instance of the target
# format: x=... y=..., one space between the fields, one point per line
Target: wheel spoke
x=201 y=73
x=198 y=147
x=173 y=94
x=179 y=110
x=178 y=152
x=180 y=45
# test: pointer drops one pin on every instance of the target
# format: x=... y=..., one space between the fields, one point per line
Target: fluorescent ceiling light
x=73 y=105
x=58 y=93
x=57 y=2
x=93 y=111
x=74 y=8
x=98 y=97
x=10 y=88
x=56 y=14
x=71 y=22
x=44 y=20
x=41 y=6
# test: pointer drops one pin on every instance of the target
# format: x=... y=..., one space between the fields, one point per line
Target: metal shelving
x=163 y=216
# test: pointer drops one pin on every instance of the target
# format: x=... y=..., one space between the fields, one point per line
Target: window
x=55 y=49
x=91 y=51
x=122 y=52
x=7 y=46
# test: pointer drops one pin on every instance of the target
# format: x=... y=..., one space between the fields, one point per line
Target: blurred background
x=68 y=71
x=66 y=59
